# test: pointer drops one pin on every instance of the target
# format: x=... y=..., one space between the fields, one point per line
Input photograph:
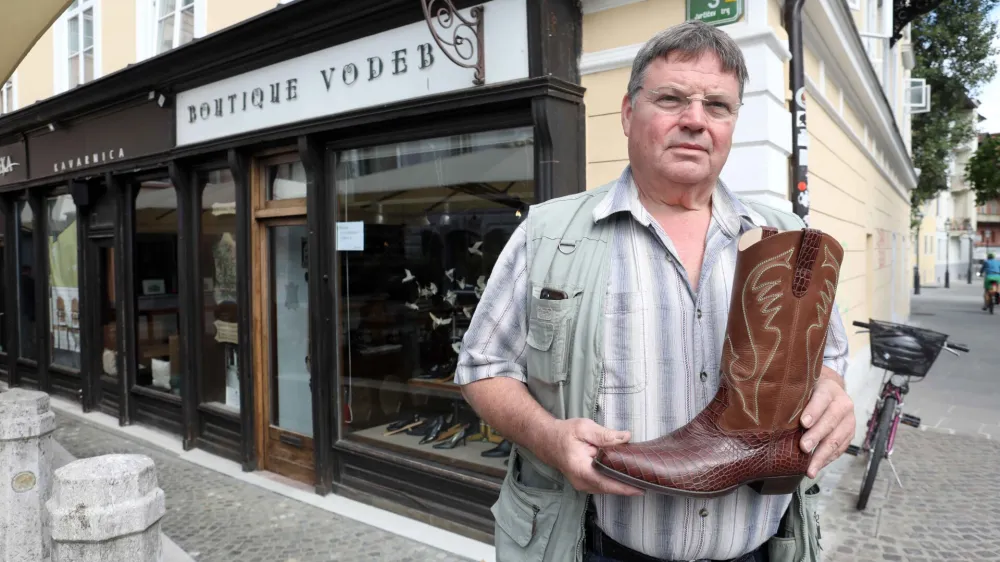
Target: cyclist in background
x=991 y=274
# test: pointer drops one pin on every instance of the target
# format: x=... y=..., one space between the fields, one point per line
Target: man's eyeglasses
x=673 y=101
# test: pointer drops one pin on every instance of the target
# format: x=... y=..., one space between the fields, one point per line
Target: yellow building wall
x=224 y=13
x=119 y=36
x=35 y=76
x=851 y=200
x=607 y=150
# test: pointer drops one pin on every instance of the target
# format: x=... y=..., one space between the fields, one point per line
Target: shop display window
x=220 y=381
x=156 y=277
x=26 y=279
x=420 y=226
x=3 y=287
x=64 y=285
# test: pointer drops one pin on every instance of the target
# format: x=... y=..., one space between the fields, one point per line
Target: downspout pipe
x=800 y=137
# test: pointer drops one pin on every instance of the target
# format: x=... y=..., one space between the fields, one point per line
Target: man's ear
x=626 y=114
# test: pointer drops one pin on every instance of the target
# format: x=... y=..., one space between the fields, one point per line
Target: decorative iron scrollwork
x=465 y=46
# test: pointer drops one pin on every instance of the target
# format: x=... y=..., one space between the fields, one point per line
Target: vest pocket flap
x=513 y=516
x=541 y=334
x=526 y=516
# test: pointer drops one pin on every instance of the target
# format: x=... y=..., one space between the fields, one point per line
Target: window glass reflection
x=64 y=284
x=434 y=216
x=156 y=276
x=26 y=279
x=220 y=383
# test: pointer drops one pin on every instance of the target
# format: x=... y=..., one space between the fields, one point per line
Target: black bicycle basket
x=904 y=350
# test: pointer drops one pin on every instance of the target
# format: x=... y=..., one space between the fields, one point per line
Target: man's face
x=689 y=146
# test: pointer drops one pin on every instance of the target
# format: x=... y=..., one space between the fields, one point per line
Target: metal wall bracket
x=466 y=45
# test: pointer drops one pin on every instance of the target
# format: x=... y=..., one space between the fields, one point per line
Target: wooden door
x=283 y=377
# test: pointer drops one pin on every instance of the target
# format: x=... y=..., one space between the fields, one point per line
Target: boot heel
x=776 y=486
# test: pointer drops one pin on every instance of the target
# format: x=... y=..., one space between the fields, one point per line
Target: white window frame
x=8 y=96
x=60 y=55
x=854 y=5
x=147 y=22
x=918 y=84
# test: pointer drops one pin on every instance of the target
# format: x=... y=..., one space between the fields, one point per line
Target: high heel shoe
x=501 y=450
x=433 y=430
x=453 y=442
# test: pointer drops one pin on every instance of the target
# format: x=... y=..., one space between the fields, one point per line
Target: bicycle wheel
x=877 y=451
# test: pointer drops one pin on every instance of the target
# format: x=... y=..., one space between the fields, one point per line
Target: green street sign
x=715 y=12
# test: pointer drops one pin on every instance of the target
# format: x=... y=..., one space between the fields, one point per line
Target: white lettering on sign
x=7 y=165
x=385 y=68
x=89 y=160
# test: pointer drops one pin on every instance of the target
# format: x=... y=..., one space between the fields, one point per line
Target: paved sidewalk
x=949 y=506
x=219 y=519
x=948 y=509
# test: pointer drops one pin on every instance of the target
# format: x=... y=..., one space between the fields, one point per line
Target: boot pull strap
x=768 y=231
x=807 y=258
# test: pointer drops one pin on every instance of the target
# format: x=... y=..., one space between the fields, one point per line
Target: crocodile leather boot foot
x=782 y=298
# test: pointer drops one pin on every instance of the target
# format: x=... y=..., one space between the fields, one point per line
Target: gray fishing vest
x=539 y=515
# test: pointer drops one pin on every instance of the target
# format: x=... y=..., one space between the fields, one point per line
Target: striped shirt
x=662 y=350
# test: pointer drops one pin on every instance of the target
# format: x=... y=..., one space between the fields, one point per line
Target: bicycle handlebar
x=862 y=324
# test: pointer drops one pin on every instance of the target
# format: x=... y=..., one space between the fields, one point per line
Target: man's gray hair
x=688 y=40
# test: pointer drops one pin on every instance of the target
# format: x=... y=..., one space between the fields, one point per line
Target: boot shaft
x=783 y=293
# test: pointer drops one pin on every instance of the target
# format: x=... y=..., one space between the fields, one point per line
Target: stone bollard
x=107 y=509
x=26 y=425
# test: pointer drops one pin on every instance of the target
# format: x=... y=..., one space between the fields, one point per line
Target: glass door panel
x=291 y=395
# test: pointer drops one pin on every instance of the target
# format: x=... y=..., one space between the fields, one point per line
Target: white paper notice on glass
x=351 y=236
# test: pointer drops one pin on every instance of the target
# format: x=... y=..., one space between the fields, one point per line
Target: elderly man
x=670 y=229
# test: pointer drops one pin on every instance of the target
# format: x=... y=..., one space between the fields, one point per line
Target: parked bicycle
x=906 y=353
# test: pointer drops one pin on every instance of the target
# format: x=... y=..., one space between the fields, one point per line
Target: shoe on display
x=783 y=294
x=501 y=450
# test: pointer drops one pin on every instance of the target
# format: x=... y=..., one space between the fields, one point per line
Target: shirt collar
x=731 y=214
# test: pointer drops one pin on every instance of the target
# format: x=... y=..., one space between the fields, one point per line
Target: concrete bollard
x=26 y=425
x=107 y=509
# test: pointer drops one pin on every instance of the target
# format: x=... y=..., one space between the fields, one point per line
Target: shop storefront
x=270 y=243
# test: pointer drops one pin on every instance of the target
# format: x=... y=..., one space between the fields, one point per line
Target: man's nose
x=693 y=116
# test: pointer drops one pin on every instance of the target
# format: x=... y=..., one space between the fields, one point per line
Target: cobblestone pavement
x=218 y=519
x=949 y=508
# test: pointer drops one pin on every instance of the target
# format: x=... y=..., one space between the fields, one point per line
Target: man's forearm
x=506 y=405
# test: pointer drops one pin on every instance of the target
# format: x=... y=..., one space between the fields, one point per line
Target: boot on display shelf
x=783 y=294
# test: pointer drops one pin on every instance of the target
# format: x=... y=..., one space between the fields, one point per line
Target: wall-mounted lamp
x=161 y=99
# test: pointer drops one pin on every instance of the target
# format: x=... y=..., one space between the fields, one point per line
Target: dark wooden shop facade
x=179 y=234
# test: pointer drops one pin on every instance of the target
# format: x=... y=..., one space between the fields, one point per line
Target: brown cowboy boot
x=773 y=352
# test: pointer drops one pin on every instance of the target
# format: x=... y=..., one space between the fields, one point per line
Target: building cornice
x=816 y=94
x=829 y=23
x=621 y=57
x=591 y=6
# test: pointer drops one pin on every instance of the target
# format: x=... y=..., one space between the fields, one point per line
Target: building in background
x=954 y=210
x=311 y=228
x=987 y=231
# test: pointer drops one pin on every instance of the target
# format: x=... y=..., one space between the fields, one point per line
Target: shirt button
x=703 y=512
x=704 y=376
x=699 y=314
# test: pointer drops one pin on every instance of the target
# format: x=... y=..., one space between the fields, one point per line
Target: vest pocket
x=525 y=517
x=549 y=325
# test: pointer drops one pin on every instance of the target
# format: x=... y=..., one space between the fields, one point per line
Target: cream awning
x=22 y=25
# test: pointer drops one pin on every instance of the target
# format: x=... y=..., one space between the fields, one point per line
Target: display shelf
x=427 y=387
x=468 y=456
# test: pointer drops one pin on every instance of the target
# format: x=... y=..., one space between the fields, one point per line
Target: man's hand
x=570 y=447
x=829 y=419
